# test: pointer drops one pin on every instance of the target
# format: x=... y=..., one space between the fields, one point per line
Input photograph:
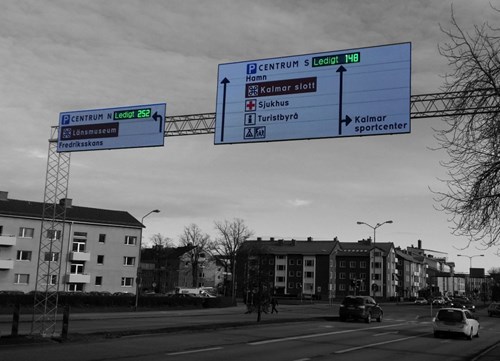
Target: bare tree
x=193 y=236
x=231 y=236
x=159 y=241
x=472 y=141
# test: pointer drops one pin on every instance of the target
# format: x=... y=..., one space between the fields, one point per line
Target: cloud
x=299 y=202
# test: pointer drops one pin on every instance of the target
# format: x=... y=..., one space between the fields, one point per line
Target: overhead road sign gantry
x=112 y=128
x=354 y=92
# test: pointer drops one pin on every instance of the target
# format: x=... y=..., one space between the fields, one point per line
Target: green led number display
x=132 y=114
x=326 y=60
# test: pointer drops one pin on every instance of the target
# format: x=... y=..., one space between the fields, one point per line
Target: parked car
x=455 y=321
x=462 y=303
x=494 y=309
x=360 y=308
x=421 y=301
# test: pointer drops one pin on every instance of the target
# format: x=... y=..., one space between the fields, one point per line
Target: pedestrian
x=274 y=303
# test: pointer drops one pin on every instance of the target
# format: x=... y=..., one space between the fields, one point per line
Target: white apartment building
x=100 y=248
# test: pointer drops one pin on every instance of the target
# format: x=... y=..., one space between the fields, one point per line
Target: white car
x=455 y=321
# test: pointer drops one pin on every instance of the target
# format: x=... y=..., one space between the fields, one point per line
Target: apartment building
x=100 y=248
x=300 y=268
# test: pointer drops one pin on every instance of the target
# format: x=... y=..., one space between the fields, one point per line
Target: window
x=51 y=257
x=342 y=287
x=280 y=279
x=342 y=275
x=102 y=238
x=26 y=232
x=309 y=274
x=291 y=262
x=290 y=273
x=352 y=264
x=280 y=257
x=51 y=279
x=290 y=284
x=100 y=259
x=342 y=264
x=75 y=287
x=23 y=256
x=98 y=280
x=376 y=276
x=377 y=254
x=352 y=276
x=298 y=285
x=376 y=264
x=21 y=279
x=79 y=241
x=53 y=234
x=131 y=240
x=298 y=274
x=127 y=281
x=128 y=261
x=362 y=264
x=299 y=262
x=309 y=263
x=76 y=268
x=362 y=276
x=271 y=262
x=280 y=267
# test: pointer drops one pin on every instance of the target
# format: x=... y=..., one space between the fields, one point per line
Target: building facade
x=100 y=248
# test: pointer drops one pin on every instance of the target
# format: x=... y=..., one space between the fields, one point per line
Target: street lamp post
x=468 y=287
x=470 y=258
x=372 y=265
x=374 y=227
x=139 y=271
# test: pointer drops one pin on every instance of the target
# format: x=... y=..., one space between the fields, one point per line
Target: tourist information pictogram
x=355 y=92
x=125 y=127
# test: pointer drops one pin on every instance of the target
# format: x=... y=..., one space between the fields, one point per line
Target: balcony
x=79 y=256
x=6 y=264
x=77 y=278
x=8 y=240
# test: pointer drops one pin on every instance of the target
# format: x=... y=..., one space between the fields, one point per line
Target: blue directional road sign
x=344 y=93
x=113 y=128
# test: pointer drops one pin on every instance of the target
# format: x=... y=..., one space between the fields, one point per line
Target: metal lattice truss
x=454 y=103
x=51 y=241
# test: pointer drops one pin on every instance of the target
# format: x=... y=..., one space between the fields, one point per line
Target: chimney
x=3 y=195
x=419 y=244
x=309 y=239
x=66 y=202
x=280 y=242
x=294 y=242
x=271 y=239
x=259 y=239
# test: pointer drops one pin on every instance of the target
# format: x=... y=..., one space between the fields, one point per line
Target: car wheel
x=469 y=337
x=368 y=319
x=380 y=317
x=477 y=333
x=436 y=334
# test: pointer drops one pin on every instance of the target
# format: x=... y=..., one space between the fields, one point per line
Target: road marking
x=386 y=333
x=380 y=343
x=292 y=338
x=193 y=351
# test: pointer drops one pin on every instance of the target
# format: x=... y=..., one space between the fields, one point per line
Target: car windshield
x=450 y=316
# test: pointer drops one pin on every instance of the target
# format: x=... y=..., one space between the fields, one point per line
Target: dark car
x=463 y=303
x=360 y=308
x=494 y=309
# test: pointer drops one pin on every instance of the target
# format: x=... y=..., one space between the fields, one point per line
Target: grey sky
x=58 y=56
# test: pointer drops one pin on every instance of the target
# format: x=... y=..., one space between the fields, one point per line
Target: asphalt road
x=315 y=334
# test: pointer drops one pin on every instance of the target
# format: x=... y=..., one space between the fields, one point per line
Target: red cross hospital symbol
x=250 y=105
